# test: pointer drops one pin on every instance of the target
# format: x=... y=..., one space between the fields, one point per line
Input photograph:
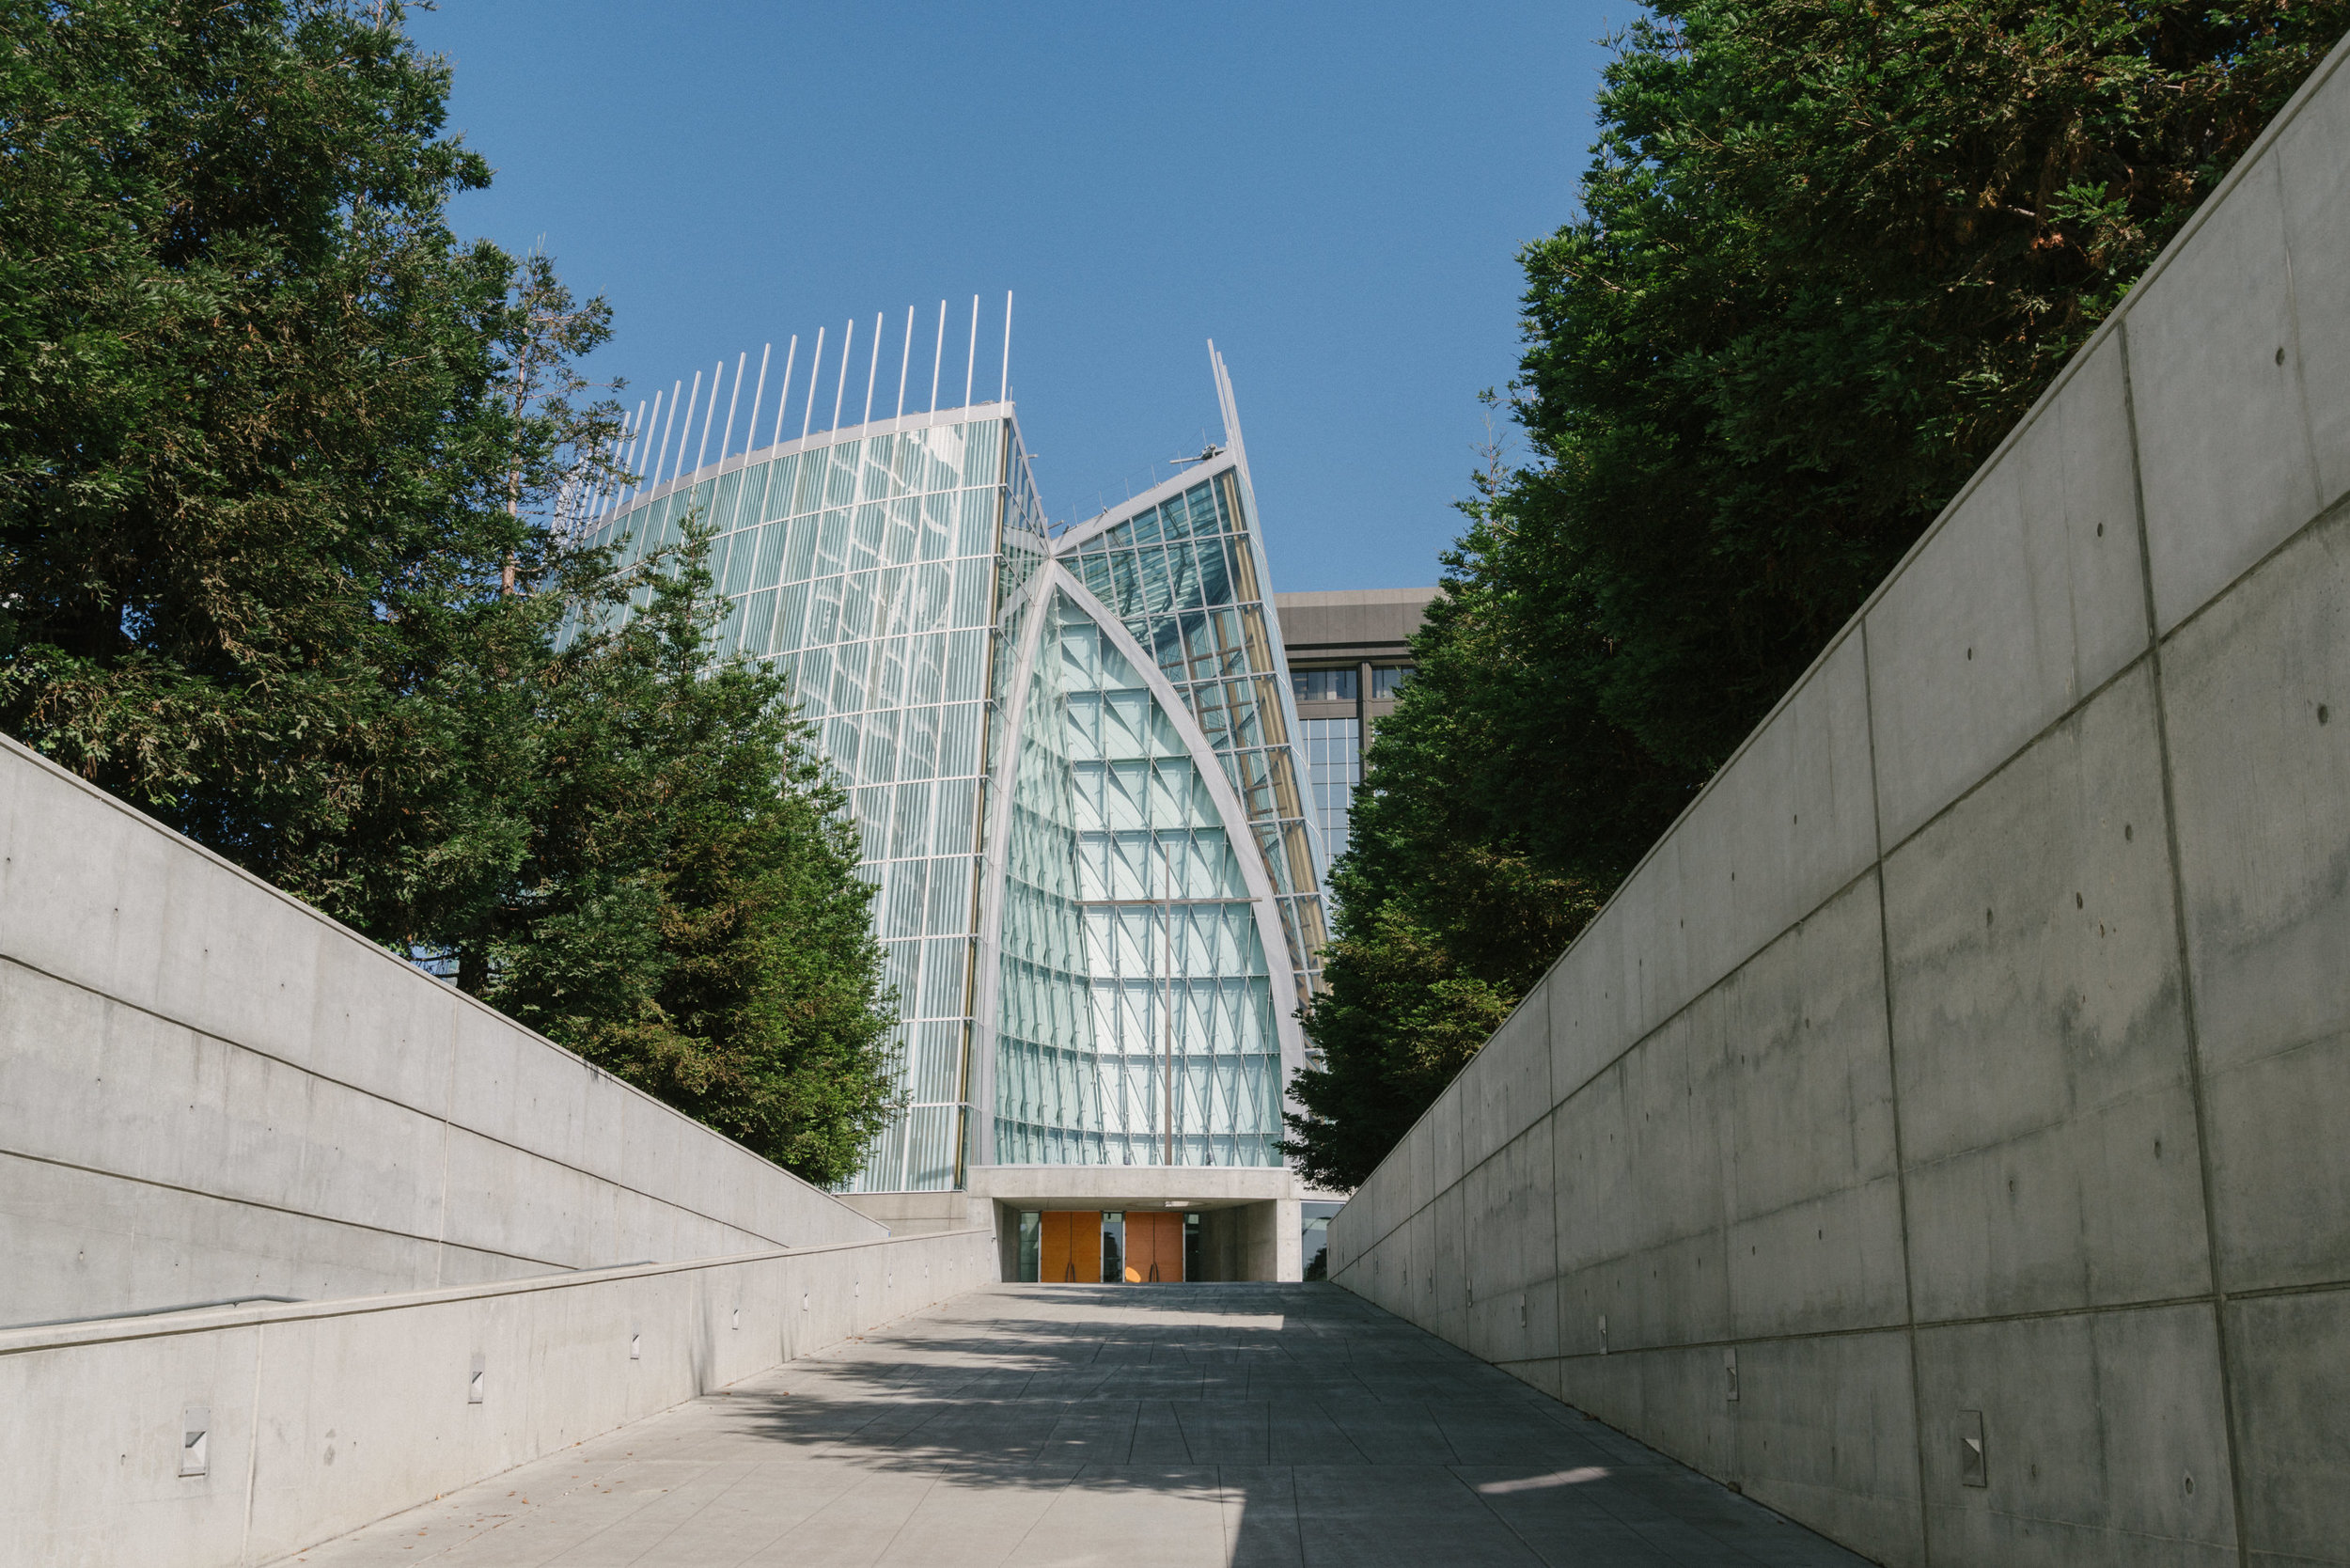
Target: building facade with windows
x=1348 y=654
x=1073 y=756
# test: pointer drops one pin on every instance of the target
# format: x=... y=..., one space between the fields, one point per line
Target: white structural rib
x=995 y=865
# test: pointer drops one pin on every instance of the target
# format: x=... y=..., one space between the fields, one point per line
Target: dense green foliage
x=246 y=424
x=1830 y=251
x=687 y=911
x=284 y=476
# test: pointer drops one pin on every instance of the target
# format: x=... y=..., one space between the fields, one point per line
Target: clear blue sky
x=1334 y=194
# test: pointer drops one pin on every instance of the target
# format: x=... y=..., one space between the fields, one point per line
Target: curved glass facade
x=1071 y=762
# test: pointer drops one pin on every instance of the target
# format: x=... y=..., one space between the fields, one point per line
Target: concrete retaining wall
x=209 y=1090
x=321 y=1417
x=1973 y=1058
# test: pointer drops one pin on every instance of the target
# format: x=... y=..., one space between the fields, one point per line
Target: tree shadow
x=1304 y=1413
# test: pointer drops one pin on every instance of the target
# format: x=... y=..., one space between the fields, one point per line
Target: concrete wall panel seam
x=115 y=1331
x=264 y=1207
x=1901 y=1161
x=2187 y=987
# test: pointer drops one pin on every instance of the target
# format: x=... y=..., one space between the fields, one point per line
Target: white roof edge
x=968 y=413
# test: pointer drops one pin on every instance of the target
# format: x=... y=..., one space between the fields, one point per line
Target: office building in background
x=1348 y=654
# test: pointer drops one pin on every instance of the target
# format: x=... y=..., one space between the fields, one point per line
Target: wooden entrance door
x=1070 y=1253
x=1154 y=1248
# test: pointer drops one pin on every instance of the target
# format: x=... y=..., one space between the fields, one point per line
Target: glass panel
x=722 y=501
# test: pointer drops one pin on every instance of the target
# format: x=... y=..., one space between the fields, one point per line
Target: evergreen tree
x=1829 y=252
x=247 y=434
x=688 y=912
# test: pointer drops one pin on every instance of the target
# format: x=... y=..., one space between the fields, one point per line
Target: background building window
x=1323 y=685
x=1385 y=681
x=1334 y=765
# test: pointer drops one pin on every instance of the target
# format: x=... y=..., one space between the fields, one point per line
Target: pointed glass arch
x=1172 y=1054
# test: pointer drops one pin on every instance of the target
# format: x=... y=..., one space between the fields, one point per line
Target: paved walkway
x=1239 y=1425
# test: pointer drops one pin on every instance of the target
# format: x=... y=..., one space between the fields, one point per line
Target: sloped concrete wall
x=1974 y=1054
x=209 y=1090
x=322 y=1416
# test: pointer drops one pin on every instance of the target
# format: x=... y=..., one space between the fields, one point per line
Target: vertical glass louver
x=1098 y=894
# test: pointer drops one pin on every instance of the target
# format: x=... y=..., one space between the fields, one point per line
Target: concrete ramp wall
x=1942 y=1134
x=321 y=1417
x=209 y=1090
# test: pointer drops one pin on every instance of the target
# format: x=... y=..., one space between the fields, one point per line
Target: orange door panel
x=1154 y=1248
x=1053 y=1263
x=1070 y=1253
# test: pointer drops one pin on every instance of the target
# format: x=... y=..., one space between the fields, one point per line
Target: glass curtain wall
x=1182 y=578
x=872 y=568
x=1048 y=1092
x=1186 y=1053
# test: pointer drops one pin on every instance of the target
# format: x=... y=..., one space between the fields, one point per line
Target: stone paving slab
x=1166 y=1426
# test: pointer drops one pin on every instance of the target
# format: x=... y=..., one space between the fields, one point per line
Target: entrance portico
x=1058 y=1224
x=1185 y=1222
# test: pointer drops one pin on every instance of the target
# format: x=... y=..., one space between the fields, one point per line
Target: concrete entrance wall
x=210 y=1089
x=1941 y=1134
x=1245 y=1241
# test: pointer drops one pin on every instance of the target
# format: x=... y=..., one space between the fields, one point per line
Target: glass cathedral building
x=1074 y=760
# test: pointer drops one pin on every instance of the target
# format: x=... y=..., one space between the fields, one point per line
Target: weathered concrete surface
x=1976 y=1049
x=209 y=1090
x=321 y=1417
x=1247 y=1425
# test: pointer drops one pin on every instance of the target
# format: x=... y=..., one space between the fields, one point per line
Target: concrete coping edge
x=165 y=1325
